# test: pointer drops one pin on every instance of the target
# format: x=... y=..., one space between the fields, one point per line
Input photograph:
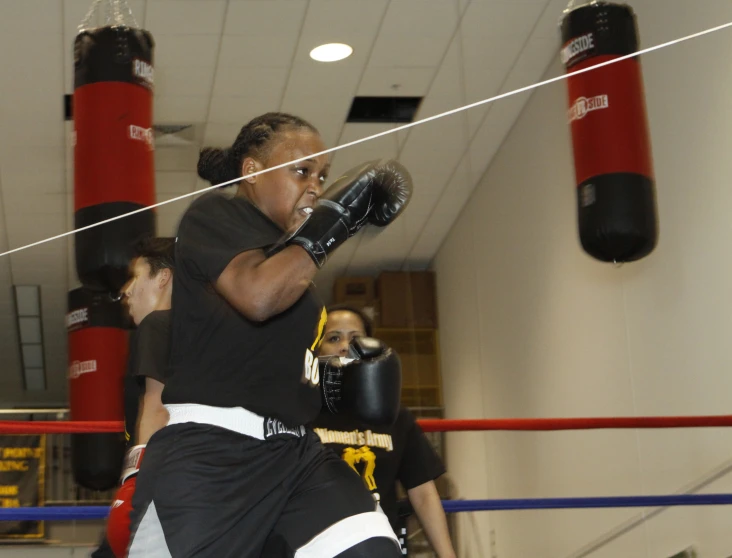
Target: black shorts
x=206 y=491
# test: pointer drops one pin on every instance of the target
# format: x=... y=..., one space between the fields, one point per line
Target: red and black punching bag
x=616 y=199
x=98 y=342
x=113 y=150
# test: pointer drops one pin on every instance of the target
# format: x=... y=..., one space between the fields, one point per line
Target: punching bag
x=113 y=150
x=616 y=199
x=98 y=344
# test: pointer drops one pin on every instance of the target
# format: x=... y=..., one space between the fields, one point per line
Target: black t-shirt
x=220 y=358
x=382 y=456
x=148 y=358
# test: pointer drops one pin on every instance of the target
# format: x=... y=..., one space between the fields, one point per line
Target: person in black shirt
x=383 y=456
x=147 y=296
x=235 y=473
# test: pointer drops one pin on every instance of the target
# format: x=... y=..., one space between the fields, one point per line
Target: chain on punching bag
x=113 y=149
x=616 y=197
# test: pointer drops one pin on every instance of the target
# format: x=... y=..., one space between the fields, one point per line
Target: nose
x=315 y=188
x=343 y=348
x=127 y=289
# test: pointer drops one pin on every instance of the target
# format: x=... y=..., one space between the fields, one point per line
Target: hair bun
x=216 y=166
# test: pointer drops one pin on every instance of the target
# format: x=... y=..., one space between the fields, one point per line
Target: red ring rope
x=428 y=425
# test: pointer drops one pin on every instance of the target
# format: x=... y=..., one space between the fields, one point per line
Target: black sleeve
x=420 y=463
x=152 y=349
x=213 y=231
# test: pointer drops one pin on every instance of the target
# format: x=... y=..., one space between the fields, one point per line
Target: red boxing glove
x=118 y=522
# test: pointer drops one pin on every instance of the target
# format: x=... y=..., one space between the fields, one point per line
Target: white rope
x=384 y=133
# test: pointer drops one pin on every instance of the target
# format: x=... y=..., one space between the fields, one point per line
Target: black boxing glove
x=347 y=204
x=367 y=385
x=392 y=192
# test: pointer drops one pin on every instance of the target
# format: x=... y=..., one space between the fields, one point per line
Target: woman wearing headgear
x=235 y=468
x=387 y=454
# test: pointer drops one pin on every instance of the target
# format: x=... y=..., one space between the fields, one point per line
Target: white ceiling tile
x=239 y=110
x=180 y=109
x=446 y=91
x=245 y=51
x=17 y=136
x=185 y=17
x=384 y=147
x=40 y=183
x=404 y=41
x=311 y=78
x=14 y=169
x=174 y=182
x=547 y=27
x=42 y=16
x=194 y=81
x=531 y=65
x=504 y=18
x=326 y=113
x=403 y=82
x=176 y=158
x=220 y=134
x=263 y=19
x=485 y=67
x=33 y=80
x=179 y=50
x=354 y=22
x=232 y=83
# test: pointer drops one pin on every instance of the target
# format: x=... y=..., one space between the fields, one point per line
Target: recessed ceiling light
x=331 y=52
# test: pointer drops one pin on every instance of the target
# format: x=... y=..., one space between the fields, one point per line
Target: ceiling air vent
x=383 y=109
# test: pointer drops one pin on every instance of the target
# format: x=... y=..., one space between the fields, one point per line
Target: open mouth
x=306 y=211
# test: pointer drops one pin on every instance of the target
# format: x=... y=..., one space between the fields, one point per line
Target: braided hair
x=218 y=165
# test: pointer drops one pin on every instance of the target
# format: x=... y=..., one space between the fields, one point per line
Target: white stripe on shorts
x=348 y=532
x=149 y=540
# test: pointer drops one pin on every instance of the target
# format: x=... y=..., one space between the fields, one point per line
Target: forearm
x=265 y=287
x=153 y=417
x=427 y=505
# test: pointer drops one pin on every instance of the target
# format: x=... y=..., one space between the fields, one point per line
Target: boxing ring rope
x=67 y=513
x=428 y=425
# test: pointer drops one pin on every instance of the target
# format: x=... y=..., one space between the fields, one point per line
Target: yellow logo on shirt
x=364 y=455
x=321 y=329
x=356 y=438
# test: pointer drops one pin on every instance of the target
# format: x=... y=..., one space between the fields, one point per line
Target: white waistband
x=236 y=419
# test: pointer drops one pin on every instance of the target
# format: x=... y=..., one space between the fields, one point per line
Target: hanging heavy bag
x=616 y=199
x=98 y=345
x=113 y=150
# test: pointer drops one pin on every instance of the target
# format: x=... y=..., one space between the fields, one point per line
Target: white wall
x=533 y=327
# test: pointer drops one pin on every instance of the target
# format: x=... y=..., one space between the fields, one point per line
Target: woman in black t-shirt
x=387 y=455
x=235 y=473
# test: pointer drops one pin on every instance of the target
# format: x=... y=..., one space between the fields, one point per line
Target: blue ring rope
x=67 y=513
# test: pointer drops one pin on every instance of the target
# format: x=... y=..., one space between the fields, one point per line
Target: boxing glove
x=118 y=521
x=392 y=192
x=366 y=385
x=345 y=207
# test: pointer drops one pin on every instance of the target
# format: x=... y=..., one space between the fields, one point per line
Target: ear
x=164 y=277
x=248 y=166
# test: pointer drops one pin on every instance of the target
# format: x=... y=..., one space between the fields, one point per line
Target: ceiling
x=219 y=63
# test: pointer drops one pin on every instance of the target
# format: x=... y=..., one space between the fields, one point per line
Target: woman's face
x=287 y=195
x=341 y=328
